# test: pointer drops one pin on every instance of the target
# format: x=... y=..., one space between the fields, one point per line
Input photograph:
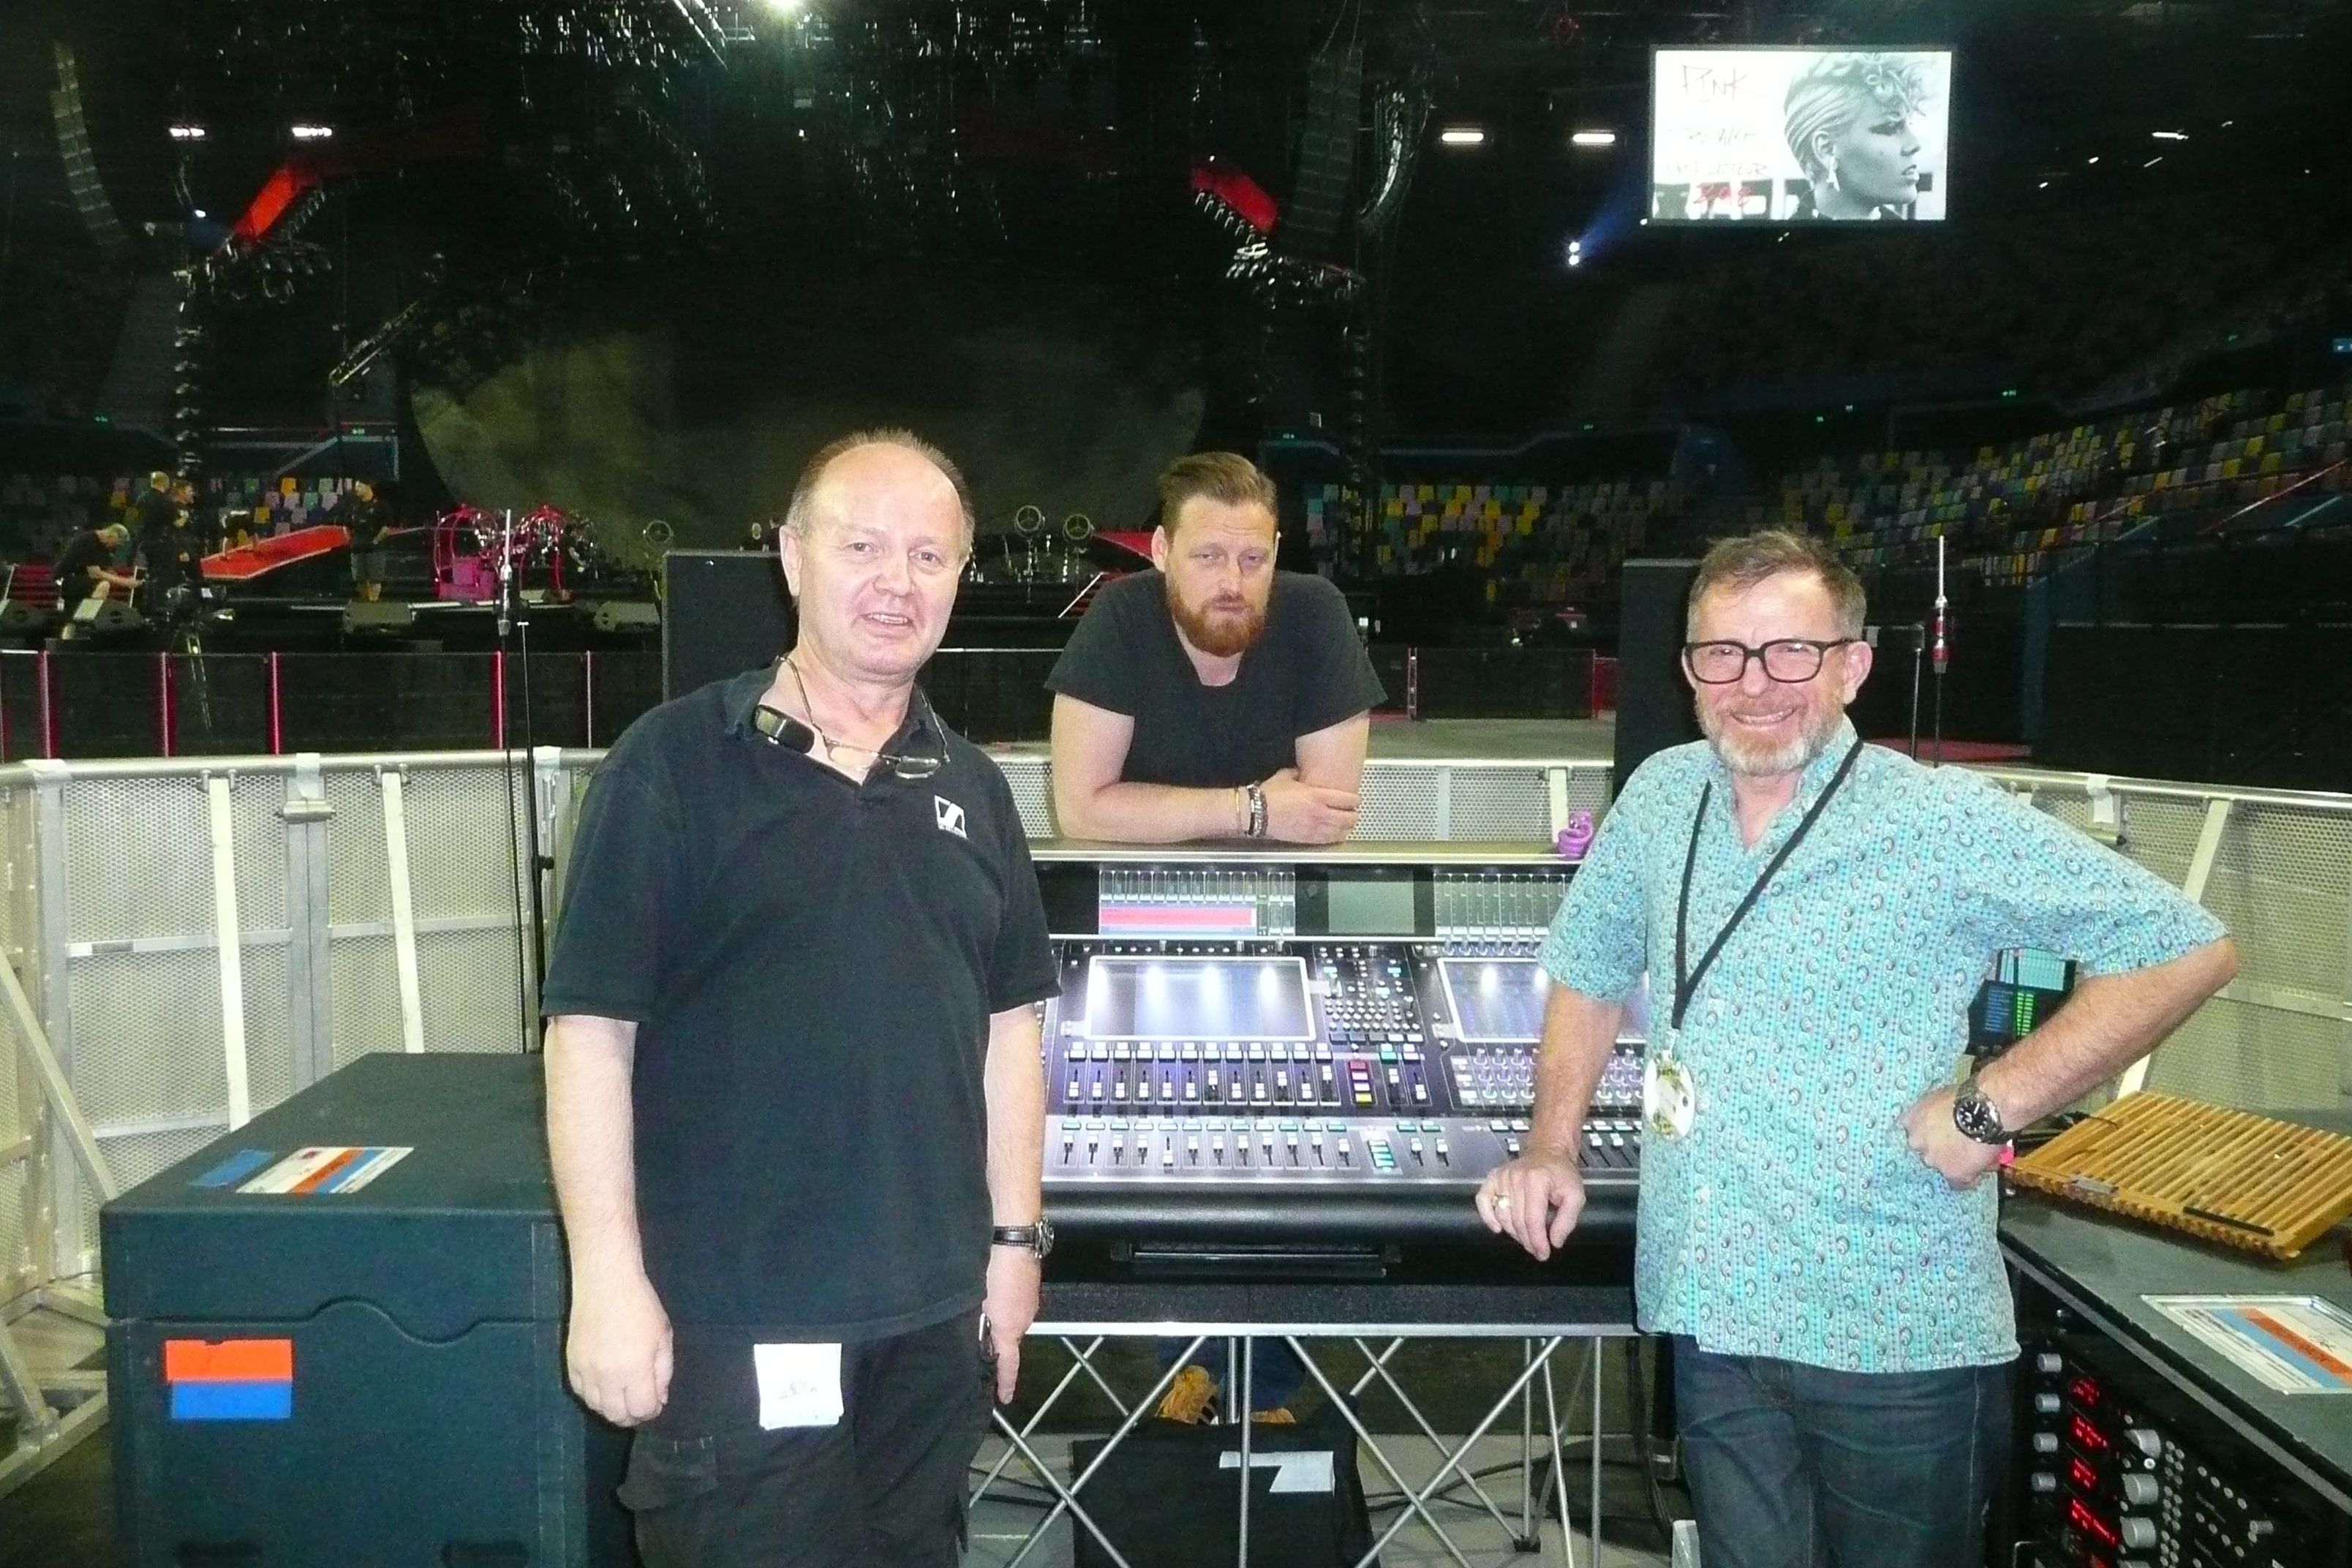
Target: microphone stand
x=1918 y=630
x=514 y=625
x=1942 y=654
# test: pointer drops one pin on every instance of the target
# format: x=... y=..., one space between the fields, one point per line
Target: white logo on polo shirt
x=950 y=816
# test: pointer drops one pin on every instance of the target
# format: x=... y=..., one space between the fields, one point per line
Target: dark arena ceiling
x=846 y=173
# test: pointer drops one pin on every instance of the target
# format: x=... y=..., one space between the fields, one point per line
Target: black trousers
x=883 y=1487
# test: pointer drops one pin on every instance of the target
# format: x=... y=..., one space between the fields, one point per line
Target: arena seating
x=1536 y=544
x=2008 y=510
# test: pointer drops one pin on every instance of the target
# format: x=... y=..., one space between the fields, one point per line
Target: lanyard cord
x=1687 y=985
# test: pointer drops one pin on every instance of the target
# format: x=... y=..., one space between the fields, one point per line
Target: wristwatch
x=1038 y=1238
x=1974 y=1113
x=1256 y=793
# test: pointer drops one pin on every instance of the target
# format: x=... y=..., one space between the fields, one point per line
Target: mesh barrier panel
x=15 y=1226
x=2282 y=884
x=1501 y=804
x=1401 y=803
x=366 y=997
x=2254 y=1059
x=139 y=860
x=1031 y=774
x=147 y=1037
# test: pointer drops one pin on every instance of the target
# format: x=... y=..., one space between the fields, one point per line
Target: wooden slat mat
x=2244 y=1180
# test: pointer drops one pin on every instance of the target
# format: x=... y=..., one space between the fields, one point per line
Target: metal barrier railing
x=195 y=939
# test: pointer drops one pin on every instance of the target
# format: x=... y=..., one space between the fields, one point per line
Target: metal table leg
x=1066 y=1496
x=1416 y=1502
x=1380 y=1370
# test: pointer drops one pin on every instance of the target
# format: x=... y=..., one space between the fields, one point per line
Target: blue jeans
x=1799 y=1467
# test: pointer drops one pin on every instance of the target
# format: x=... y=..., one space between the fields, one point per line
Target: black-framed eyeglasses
x=1785 y=659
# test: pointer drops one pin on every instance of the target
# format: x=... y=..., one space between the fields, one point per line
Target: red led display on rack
x=2087 y=1437
x=2082 y=1518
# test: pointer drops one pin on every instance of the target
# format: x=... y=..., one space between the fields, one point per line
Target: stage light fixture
x=785 y=7
x=1463 y=136
x=2170 y=136
x=313 y=132
x=1593 y=139
x=187 y=133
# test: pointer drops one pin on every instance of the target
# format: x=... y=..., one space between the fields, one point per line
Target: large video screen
x=1799 y=135
x=1175 y=998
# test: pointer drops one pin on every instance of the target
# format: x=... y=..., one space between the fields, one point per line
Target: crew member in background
x=364 y=516
x=792 y=1068
x=153 y=509
x=85 y=565
x=173 y=551
x=1816 y=1228
x=1214 y=697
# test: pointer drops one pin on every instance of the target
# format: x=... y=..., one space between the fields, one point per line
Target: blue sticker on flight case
x=233 y=1169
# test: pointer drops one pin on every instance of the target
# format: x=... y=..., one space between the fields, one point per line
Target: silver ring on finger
x=1502 y=1200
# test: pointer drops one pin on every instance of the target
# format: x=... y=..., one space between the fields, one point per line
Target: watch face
x=1973 y=1113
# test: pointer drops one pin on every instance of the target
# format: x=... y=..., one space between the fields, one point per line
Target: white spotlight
x=1463 y=136
x=1593 y=139
x=187 y=133
x=313 y=132
x=2170 y=136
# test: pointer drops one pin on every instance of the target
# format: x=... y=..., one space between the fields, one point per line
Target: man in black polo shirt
x=795 y=1099
x=1214 y=697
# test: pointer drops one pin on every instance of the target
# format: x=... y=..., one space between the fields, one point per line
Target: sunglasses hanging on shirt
x=778 y=728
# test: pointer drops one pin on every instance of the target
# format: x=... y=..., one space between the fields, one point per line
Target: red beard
x=1220 y=635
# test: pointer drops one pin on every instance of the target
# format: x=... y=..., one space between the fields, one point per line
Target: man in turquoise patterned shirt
x=1816 y=1231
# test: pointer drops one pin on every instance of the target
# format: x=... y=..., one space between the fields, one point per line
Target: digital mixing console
x=1301 y=1086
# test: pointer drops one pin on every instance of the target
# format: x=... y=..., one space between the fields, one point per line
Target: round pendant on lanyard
x=1669 y=1096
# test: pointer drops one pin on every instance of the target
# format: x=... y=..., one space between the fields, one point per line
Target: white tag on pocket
x=800 y=1385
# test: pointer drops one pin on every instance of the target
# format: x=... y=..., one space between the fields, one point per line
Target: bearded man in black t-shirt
x=1212 y=696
